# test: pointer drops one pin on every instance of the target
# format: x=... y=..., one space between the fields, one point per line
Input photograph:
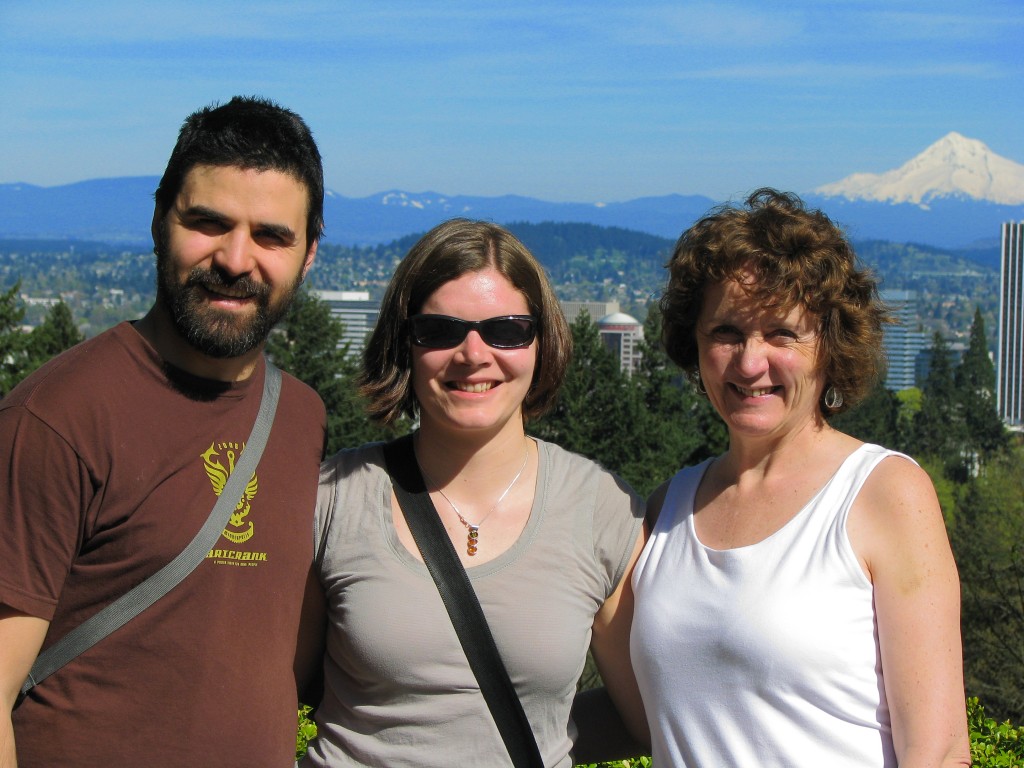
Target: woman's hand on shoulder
x=654 y=504
x=898 y=532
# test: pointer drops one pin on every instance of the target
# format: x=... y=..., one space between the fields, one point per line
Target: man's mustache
x=211 y=278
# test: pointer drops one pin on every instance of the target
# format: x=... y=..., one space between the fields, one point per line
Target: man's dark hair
x=248 y=133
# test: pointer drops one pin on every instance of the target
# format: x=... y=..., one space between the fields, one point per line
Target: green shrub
x=305 y=732
x=993 y=745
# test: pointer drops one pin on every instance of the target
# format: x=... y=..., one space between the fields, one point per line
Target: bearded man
x=115 y=452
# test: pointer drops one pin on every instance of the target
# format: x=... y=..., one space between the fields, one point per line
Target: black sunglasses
x=444 y=332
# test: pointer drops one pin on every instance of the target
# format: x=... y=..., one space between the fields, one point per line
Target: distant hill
x=584 y=261
x=590 y=262
x=955 y=194
x=107 y=210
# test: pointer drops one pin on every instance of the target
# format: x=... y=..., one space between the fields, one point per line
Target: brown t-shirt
x=111 y=463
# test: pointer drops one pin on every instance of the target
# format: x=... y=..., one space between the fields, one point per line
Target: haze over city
x=582 y=101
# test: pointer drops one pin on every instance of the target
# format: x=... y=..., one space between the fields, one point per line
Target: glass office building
x=1010 y=364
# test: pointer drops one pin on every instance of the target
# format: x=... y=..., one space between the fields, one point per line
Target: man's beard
x=211 y=331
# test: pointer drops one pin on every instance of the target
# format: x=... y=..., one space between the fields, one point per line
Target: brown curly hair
x=798 y=257
x=445 y=253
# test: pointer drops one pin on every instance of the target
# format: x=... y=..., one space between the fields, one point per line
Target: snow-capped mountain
x=953 y=167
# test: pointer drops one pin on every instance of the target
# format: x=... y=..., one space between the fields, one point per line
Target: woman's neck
x=776 y=454
x=471 y=461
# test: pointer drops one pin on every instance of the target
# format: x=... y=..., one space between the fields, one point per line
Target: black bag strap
x=461 y=602
x=140 y=597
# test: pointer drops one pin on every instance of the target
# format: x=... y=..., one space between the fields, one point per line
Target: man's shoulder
x=75 y=371
x=301 y=394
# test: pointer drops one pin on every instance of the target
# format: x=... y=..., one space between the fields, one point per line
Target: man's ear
x=310 y=258
x=155 y=227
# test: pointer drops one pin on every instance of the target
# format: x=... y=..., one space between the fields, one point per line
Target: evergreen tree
x=876 y=419
x=938 y=428
x=678 y=427
x=56 y=333
x=597 y=409
x=643 y=427
x=308 y=348
x=987 y=534
x=12 y=340
x=976 y=388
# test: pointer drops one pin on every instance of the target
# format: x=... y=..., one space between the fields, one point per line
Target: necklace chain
x=473 y=529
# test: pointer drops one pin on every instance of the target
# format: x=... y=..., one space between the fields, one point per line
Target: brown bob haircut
x=445 y=253
x=798 y=257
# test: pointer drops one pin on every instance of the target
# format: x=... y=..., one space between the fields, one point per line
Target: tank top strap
x=679 y=496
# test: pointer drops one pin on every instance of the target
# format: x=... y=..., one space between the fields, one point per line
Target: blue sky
x=584 y=101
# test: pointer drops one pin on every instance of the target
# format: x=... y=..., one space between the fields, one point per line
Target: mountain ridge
x=954 y=194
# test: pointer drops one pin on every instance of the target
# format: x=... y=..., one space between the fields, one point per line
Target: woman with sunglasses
x=471 y=342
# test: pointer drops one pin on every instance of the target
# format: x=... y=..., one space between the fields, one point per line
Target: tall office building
x=356 y=311
x=1010 y=367
x=903 y=342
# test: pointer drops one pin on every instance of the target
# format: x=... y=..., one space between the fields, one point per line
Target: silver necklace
x=473 y=529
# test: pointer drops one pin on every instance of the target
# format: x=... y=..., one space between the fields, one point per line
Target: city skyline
x=562 y=101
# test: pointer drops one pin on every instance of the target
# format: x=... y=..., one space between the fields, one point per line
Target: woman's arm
x=897 y=530
x=610 y=648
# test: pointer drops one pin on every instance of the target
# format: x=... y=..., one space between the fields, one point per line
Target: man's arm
x=21 y=637
x=309 y=652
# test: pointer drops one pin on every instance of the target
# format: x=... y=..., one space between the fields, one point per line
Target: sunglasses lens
x=508 y=332
x=442 y=332
x=438 y=332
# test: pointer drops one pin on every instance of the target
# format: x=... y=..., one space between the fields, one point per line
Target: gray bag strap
x=139 y=598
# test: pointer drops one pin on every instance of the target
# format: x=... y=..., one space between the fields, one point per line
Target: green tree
x=310 y=348
x=988 y=540
x=876 y=419
x=938 y=429
x=56 y=333
x=975 y=381
x=12 y=340
x=677 y=426
x=597 y=408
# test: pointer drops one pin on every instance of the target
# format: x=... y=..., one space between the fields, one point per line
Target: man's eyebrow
x=201 y=212
x=282 y=231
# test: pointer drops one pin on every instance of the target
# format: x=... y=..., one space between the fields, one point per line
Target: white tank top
x=764 y=655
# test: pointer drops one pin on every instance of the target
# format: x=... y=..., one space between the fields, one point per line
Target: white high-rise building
x=1010 y=364
x=356 y=311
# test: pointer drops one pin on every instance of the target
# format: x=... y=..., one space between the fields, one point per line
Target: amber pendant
x=471 y=539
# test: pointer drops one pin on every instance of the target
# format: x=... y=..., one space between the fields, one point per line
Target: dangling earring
x=833 y=398
x=698 y=383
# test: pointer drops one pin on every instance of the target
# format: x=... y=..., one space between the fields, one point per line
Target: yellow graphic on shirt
x=218 y=474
